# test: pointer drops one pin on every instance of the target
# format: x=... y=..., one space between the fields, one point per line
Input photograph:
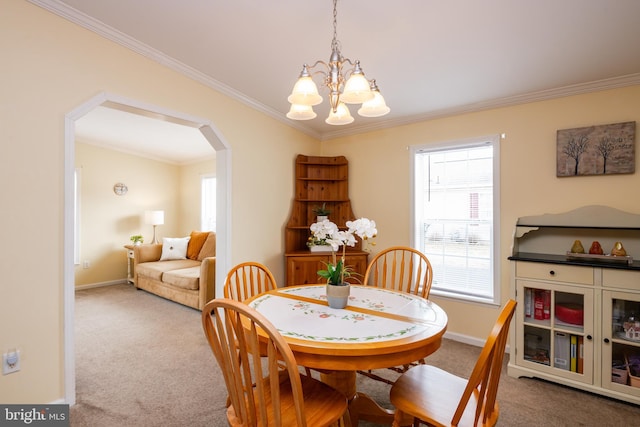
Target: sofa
x=179 y=269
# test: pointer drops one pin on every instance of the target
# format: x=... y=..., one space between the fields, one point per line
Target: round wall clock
x=120 y=189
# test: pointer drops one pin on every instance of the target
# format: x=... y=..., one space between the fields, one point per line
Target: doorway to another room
x=222 y=171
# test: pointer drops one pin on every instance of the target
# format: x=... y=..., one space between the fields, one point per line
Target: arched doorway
x=223 y=174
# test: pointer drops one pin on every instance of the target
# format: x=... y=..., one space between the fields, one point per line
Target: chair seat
x=435 y=405
x=323 y=405
x=438 y=398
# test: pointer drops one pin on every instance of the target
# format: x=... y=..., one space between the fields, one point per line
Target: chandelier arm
x=316 y=63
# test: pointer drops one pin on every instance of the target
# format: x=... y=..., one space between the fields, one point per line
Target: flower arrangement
x=328 y=232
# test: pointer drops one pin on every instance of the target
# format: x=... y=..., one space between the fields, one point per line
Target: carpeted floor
x=144 y=361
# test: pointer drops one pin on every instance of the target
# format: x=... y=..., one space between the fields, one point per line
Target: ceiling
x=430 y=58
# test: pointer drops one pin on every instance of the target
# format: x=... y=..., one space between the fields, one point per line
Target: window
x=208 y=197
x=456 y=216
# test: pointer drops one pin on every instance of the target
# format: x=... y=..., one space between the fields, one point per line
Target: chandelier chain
x=334 y=42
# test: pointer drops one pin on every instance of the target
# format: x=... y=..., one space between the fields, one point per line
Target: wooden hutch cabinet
x=576 y=322
x=318 y=180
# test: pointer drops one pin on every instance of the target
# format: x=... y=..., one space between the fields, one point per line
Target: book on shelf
x=573 y=353
x=546 y=304
x=580 y=368
x=561 y=353
x=528 y=302
x=538 y=304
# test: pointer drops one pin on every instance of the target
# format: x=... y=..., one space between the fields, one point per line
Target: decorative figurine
x=577 y=247
x=596 y=249
x=618 y=250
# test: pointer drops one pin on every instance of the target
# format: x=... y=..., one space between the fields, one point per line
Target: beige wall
x=380 y=177
x=49 y=68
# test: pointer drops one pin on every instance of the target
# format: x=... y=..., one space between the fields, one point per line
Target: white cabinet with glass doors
x=577 y=321
x=548 y=344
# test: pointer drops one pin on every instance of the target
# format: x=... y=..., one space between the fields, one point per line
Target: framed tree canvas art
x=596 y=150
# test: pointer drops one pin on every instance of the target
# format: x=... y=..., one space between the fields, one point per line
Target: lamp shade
x=375 y=107
x=341 y=116
x=155 y=217
x=356 y=90
x=301 y=112
x=305 y=92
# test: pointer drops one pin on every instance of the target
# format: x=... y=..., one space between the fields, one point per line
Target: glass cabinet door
x=555 y=329
x=621 y=342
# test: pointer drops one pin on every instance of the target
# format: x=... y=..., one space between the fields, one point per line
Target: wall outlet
x=11 y=362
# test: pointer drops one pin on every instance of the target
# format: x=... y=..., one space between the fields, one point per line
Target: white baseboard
x=465 y=339
x=101 y=284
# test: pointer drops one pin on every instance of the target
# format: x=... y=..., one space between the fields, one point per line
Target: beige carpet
x=143 y=361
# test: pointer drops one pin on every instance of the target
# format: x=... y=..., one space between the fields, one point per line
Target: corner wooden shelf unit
x=572 y=322
x=318 y=180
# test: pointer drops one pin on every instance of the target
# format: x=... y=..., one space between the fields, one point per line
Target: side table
x=129 y=249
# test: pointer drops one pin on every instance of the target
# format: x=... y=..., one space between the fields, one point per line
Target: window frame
x=203 y=220
x=494 y=141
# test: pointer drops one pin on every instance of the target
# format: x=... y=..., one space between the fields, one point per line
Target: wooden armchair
x=260 y=391
x=438 y=398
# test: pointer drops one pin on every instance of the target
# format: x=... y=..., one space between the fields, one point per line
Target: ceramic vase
x=338 y=295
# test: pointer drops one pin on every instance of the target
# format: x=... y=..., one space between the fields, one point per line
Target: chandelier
x=345 y=87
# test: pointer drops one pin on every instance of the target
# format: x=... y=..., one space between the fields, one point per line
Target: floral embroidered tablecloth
x=372 y=314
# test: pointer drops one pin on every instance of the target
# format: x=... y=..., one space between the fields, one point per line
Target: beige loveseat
x=189 y=280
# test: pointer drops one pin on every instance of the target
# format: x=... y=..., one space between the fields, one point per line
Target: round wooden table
x=379 y=328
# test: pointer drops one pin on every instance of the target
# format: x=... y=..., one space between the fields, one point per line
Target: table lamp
x=155 y=218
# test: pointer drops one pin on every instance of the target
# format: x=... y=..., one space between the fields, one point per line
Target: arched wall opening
x=223 y=207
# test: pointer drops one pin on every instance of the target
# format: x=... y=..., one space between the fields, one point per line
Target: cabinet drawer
x=555 y=272
x=612 y=278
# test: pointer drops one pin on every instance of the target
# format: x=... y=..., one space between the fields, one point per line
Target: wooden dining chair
x=438 y=398
x=404 y=269
x=247 y=280
x=400 y=268
x=248 y=349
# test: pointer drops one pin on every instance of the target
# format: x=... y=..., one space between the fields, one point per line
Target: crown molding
x=100 y=28
x=543 y=95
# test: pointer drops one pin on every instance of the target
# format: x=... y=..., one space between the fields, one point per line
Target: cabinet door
x=621 y=342
x=303 y=269
x=554 y=329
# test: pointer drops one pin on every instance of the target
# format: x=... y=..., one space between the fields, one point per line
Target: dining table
x=379 y=328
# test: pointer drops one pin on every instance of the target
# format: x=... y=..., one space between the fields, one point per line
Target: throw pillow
x=195 y=243
x=174 y=248
x=209 y=247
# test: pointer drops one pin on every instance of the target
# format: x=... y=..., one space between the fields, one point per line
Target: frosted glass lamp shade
x=375 y=107
x=305 y=92
x=342 y=116
x=301 y=112
x=356 y=90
